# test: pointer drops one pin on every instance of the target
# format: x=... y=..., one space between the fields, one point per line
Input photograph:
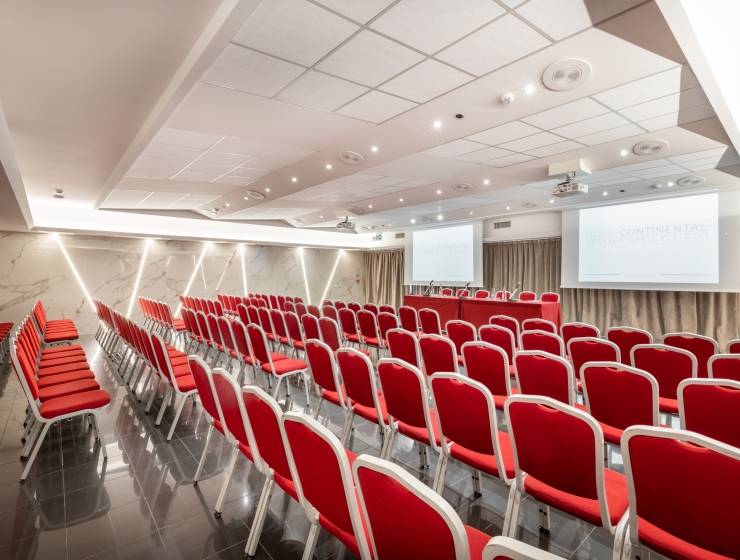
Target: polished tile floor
x=142 y=503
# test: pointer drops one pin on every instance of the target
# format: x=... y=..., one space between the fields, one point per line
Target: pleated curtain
x=383 y=277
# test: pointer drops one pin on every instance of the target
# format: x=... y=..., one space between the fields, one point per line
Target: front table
x=448 y=307
x=479 y=311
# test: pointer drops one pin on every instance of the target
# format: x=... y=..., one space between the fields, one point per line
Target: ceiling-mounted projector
x=569 y=187
x=346 y=224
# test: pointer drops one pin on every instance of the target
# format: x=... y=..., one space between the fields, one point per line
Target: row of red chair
x=5 y=329
x=501 y=295
x=158 y=315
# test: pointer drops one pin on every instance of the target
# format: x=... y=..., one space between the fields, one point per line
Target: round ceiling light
x=690 y=181
x=463 y=187
x=650 y=147
x=567 y=74
x=351 y=158
x=255 y=195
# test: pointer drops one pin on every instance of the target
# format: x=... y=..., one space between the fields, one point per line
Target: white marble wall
x=32 y=267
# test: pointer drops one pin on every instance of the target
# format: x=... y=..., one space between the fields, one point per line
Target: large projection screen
x=451 y=255
x=680 y=243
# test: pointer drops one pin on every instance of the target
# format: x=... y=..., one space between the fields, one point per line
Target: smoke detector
x=690 y=181
x=463 y=187
x=351 y=158
x=650 y=147
x=567 y=74
x=255 y=195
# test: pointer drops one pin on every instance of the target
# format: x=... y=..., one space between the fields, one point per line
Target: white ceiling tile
x=295 y=30
x=124 y=198
x=504 y=133
x=654 y=108
x=321 y=91
x=160 y=200
x=589 y=126
x=174 y=153
x=553 y=149
x=369 y=59
x=361 y=11
x=191 y=201
x=486 y=154
x=389 y=181
x=696 y=113
x=361 y=178
x=224 y=158
x=413 y=183
x=191 y=177
x=616 y=181
x=565 y=114
x=426 y=81
x=506 y=161
x=652 y=163
x=430 y=25
x=531 y=142
x=502 y=41
x=250 y=71
x=665 y=83
x=232 y=180
x=609 y=135
x=376 y=106
x=659 y=171
x=234 y=145
x=704 y=154
x=187 y=138
x=659 y=123
x=454 y=148
x=211 y=169
x=247 y=172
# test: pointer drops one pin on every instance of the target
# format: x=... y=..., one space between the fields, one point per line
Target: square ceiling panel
x=659 y=123
x=361 y=11
x=430 y=25
x=506 y=161
x=609 y=135
x=455 y=148
x=426 y=81
x=501 y=42
x=369 y=59
x=531 y=142
x=234 y=145
x=192 y=177
x=504 y=133
x=124 y=198
x=223 y=158
x=295 y=30
x=251 y=72
x=552 y=149
x=321 y=91
x=187 y=138
x=659 y=85
x=565 y=114
x=486 y=154
x=376 y=106
x=589 y=126
x=173 y=153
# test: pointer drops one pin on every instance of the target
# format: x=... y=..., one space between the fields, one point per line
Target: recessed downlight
x=471 y=212
x=401 y=199
x=440 y=217
x=413 y=220
x=294 y=179
x=567 y=74
x=328 y=166
x=552 y=201
x=370 y=206
x=529 y=89
x=624 y=152
x=227 y=205
x=508 y=207
x=670 y=184
x=486 y=182
x=605 y=193
x=374 y=149
x=437 y=124
x=267 y=189
x=439 y=191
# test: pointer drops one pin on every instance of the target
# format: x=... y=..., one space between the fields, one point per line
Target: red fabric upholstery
x=265 y=424
x=429 y=321
x=501 y=337
x=282 y=367
x=713 y=411
x=591 y=350
x=438 y=354
x=489 y=366
x=403 y=344
x=626 y=339
x=226 y=392
x=542 y=341
x=89 y=400
x=60 y=361
x=577 y=330
x=322 y=365
x=726 y=367
x=460 y=332
x=409 y=318
x=540 y=374
x=56 y=370
x=668 y=367
x=701 y=347
x=65 y=378
x=65 y=389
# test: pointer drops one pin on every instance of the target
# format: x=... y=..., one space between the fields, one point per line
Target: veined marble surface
x=32 y=267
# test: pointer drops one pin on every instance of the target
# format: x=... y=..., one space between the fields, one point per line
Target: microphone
x=467 y=285
x=515 y=294
x=429 y=288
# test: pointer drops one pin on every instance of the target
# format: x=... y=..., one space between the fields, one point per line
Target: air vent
x=463 y=187
x=255 y=195
x=351 y=158
x=529 y=204
x=565 y=75
x=400 y=235
x=650 y=147
x=501 y=225
x=690 y=181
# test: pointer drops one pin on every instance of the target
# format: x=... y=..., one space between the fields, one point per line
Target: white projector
x=346 y=225
x=569 y=188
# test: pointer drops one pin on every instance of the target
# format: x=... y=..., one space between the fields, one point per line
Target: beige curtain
x=383 y=276
x=533 y=264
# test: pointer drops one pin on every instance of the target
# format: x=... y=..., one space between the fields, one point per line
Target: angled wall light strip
x=147 y=244
x=305 y=276
x=199 y=266
x=242 y=251
x=223 y=273
x=192 y=277
x=340 y=252
x=76 y=274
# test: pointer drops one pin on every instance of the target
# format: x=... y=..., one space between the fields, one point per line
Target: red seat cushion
x=420 y=433
x=668 y=405
x=88 y=400
x=61 y=369
x=370 y=341
x=185 y=382
x=65 y=378
x=71 y=388
x=369 y=413
x=61 y=360
x=672 y=547
x=58 y=337
x=352 y=337
x=611 y=434
x=179 y=371
x=484 y=462
x=331 y=396
x=63 y=350
x=477 y=541
x=281 y=367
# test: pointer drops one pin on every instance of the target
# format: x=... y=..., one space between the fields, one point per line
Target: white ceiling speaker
x=351 y=158
x=690 y=181
x=463 y=187
x=650 y=147
x=255 y=195
x=567 y=74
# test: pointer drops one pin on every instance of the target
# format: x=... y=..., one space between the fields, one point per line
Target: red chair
x=619 y=396
x=588 y=349
x=329 y=311
x=460 y=332
x=542 y=373
x=505 y=548
x=683 y=494
x=354 y=306
x=313 y=310
x=429 y=321
x=733 y=346
x=409 y=318
x=527 y=296
x=543 y=341
x=385 y=308
x=369 y=332
x=482 y=294
x=501 y=337
x=469 y=430
x=280 y=329
x=724 y=366
x=627 y=338
x=348 y=323
x=330 y=334
x=407 y=402
x=711 y=407
x=386 y=322
x=300 y=309
x=502 y=295
x=489 y=365
x=310 y=325
x=559 y=461
x=275 y=365
x=431 y=528
x=506 y=322
x=295 y=334
x=550 y=297
x=404 y=345
x=578 y=330
x=372 y=308
x=361 y=392
x=669 y=366
x=438 y=353
x=462 y=293
x=703 y=347
x=321 y=471
x=446 y=292
x=325 y=375
x=539 y=325
x=339 y=305
x=206 y=393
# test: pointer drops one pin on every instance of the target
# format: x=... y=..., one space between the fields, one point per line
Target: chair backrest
x=438 y=353
x=620 y=396
x=372 y=308
x=348 y=321
x=506 y=548
x=330 y=332
x=404 y=345
x=258 y=343
x=386 y=322
x=627 y=338
x=578 y=330
x=684 y=485
x=733 y=346
x=204 y=384
x=542 y=340
x=502 y=295
x=368 y=324
x=310 y=326
x=509 y=323
x=711 y=407
x=278 y=323
x=265 y=320
x=323 y=478
x=358 y=380
x=462 y=293
x=589 y=349
x=313 y=310
x=429 y=321
x=539 y=325
x=431 y=529
x=550 y=297
x=241 y=340
x=202 y=321
x=703 y=347
x=231 y=407
x=224 y=328
x=542 y=373
x=385 y=308
x=446 y=292
x=667 y=364
x=323 y=366
x=460 y=332
x=329 y=311
x=339 y=305
x=300 y=308
x=409 y=318
x=499 y=336
x=253 y=315
x=489 y=365
x=482 y=294
x=293 y=324
x=724 y=366
x=560 y=446
x=527 y=296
